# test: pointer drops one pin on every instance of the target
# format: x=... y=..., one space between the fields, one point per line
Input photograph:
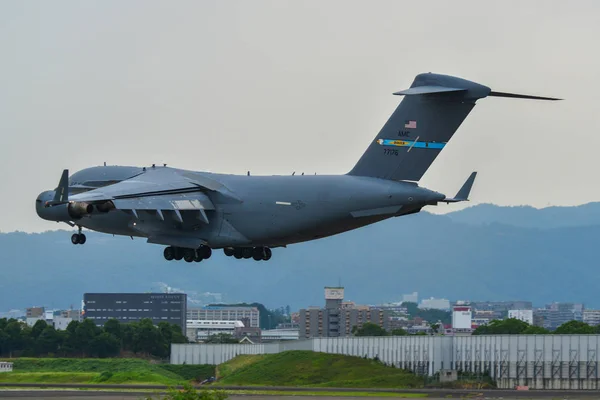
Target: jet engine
x=78 y=209
x=105 y=207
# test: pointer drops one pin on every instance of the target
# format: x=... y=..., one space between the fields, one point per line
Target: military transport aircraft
x=194 y=212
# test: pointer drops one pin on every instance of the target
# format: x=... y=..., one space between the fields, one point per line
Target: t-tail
x=427 y=117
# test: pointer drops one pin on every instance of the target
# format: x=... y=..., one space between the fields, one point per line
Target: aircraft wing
x=195 y=201
x=159 y=190
x=153 y=182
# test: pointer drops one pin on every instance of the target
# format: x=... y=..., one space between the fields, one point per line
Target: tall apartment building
x=556 y=314
x=335 y=320
x=225 y=313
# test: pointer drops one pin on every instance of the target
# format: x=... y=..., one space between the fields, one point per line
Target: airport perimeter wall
x=537 y=361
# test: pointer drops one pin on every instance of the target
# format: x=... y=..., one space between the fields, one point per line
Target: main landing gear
x=189 y=255
x=257 y=253
x=78 y=238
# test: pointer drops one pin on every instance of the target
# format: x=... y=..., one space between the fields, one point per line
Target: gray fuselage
x=265 y=210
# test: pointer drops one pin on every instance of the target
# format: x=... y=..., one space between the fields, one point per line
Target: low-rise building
x=254 y=335
x=60 y=323
x=522 y=315
x=225 y=313
x=6 y=366
x=34 y=312
x=435 y=304
x=591 y=317
x=278 y=335
x=75 y=315
x=198 y=331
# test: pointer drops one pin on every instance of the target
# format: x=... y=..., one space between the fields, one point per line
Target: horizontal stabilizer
x=465 y=190
x=428 y=90
x=520 y=96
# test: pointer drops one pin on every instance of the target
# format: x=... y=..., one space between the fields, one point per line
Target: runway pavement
x=29 y=394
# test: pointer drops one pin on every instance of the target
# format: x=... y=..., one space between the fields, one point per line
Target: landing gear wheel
x=258 y=253
x=178 y=254
x=228 y=251
x=75 y=238
x=169 y=253
x=247 y=252
x=237 y=253
x=82 y=238
x=268 y=254
x=198 y=256
x=205 y=251
x=189 y=255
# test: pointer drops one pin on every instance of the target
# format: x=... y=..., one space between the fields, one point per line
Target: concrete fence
x=537 y=361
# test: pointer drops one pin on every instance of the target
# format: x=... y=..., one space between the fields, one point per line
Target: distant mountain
x=529 y=217
x=482 y=253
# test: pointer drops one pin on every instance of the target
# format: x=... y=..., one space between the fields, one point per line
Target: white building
x=476 y=322
x=61 y=323
x=58 y=322
x=461 y=317
x=225 y=313
x=30 y=321
x=280 y=334
x=591 y=317
x=410 y=298
x=197 y=330
x=6 y=366
x=435 y=304
x=523 y=315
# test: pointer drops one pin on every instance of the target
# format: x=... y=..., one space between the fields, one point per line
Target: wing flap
x=182 y=202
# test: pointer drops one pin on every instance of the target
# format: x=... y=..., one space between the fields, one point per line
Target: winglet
x=463 y=193
x=61 y=194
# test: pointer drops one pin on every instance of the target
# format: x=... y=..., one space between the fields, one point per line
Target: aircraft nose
x=41 y=200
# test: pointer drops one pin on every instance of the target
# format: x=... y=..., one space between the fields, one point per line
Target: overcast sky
x=281 y=86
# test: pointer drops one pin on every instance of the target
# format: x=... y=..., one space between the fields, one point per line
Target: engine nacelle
x=78 y=209
x=105 y=207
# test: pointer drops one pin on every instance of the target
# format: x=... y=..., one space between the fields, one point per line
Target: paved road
x=434 y=395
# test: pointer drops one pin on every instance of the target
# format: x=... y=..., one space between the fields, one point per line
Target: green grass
x=47 y=377
x=325 y=394
x=307 y=368
x=110 y=370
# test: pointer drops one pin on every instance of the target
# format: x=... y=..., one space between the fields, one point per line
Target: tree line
x=513 y=326
x=85 y=339
x=510 y=326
